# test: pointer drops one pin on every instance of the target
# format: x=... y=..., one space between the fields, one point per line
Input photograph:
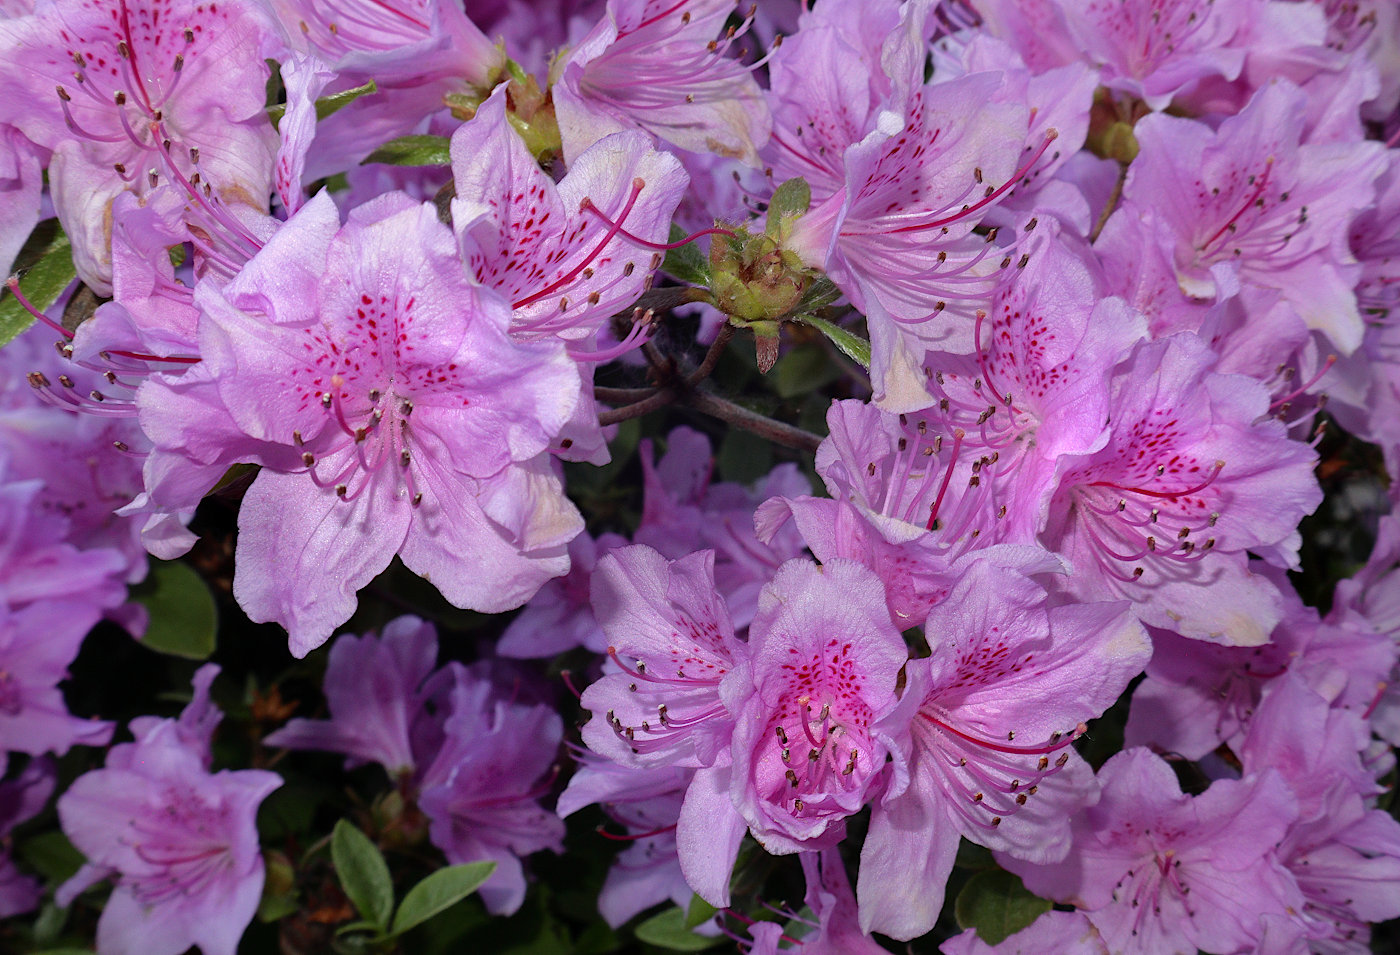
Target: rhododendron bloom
x=1193 y=474
x=176 y=87
x=1158 y=871
x=1255 y=198
x=1007 y=688
x=481 y=790
x=900 y=175
x=374 y=690
x=180 y=842
x=655 y=65
x=392 y=415
x=911 y=502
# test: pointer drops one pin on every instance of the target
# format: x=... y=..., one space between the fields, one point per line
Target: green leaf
x=997 y=905
x=52 y=856
x=363 y=925
x=685 y=262
x=45 y=281
x=326 y=105
x=668 y=930
x=49 y=924
x=791 y=199
x=699 y=911
x=804 y=368
x=184 y=621
x=819 y=294
x=852 y=346
x=412 y=151
x=274 y=907
x=363 y=874
x=64 y=951
x=439 y=891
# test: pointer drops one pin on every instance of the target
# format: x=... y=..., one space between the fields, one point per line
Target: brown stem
x=761 y=425
x=712 y=356
x=616 y=396
x=660 y=399
x=1112 y=203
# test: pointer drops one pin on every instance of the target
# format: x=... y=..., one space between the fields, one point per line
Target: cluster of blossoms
x=1090 y=279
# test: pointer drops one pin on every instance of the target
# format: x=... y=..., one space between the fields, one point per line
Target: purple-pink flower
x=179 y=843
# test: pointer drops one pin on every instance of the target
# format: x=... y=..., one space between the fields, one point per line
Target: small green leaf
x=49 y=924
x=851 y=345
x=803 y=369
x=791 y=199
x=64 y=951
x=699 y=911
x=439 y=891
x=668 y=930
x=45 y=281
x=363 y=874
x=412 y=151
x=819 y=294
x=685 y=262
x=361 y=926
x=997 y=905
x=327 y=105
x=274 y=907
x=51 y=855
x=184 y=621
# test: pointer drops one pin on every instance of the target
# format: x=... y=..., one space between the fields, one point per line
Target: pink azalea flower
x=1154 y=49
x=684 y=509
x=813 y=702
x=20 y=799
x=1036 y=386
x=1192 y=476
x=1158 y=871
x=911 y=502
x=1343 y=852
x=375 y=693
x=670 y=637
x=390 y=410
x=1257 y=198
x=113 y=92
x=900 y=174
x=991 y=716
x=481 y=790
x=655 y=65
x=180 y=843
x=1065 y=933
x=566 y=255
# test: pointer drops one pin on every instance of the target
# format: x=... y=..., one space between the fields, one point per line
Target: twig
x=660 y=399
x=741 y=417
x=1112 y=203
x=621 y=395
x=712 y=356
